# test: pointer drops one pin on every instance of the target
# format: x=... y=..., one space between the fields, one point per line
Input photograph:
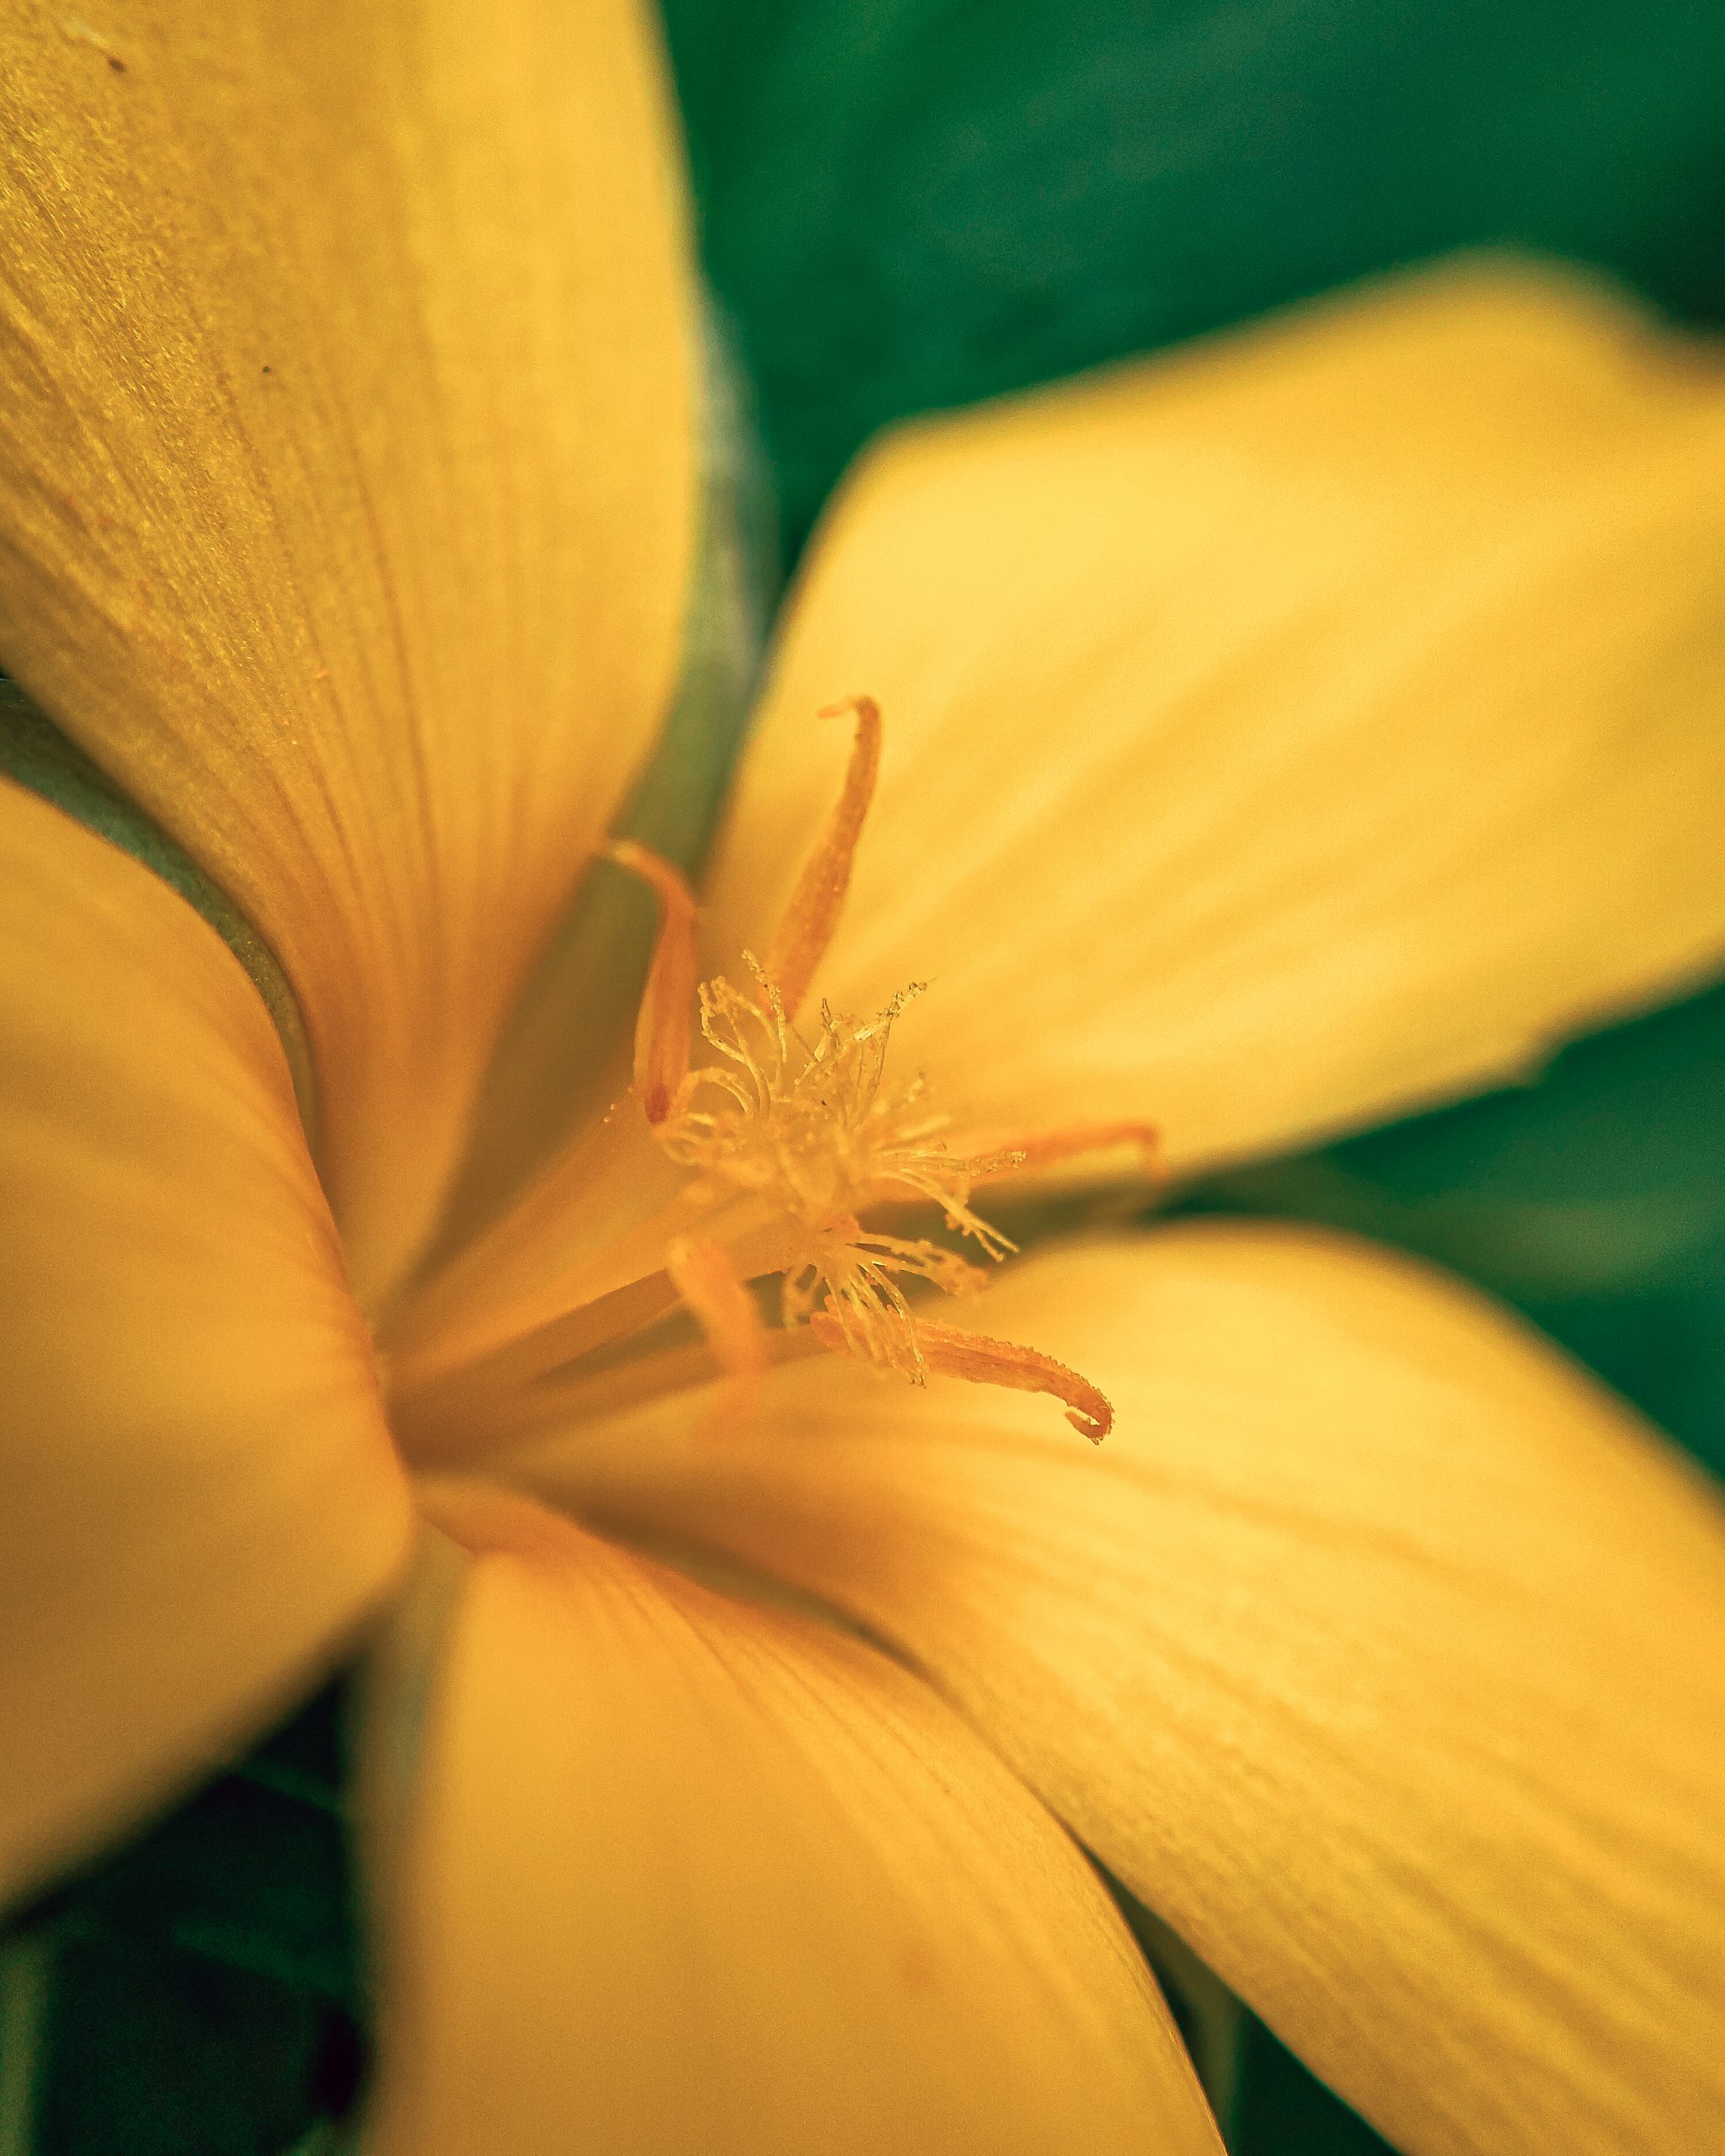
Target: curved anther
x=703 y=1274
x=951 y=1354
x=662 y=1026
x=809 y=921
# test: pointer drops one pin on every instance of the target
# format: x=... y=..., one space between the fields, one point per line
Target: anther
x=947 y=1353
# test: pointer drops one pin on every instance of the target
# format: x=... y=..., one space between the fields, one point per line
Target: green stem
x=25 y=1963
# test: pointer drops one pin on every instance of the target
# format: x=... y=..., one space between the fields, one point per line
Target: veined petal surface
x=686 y=1874
x=1279 y=735
x=201 y=1496
x=346 y=495
x=1376 y=1649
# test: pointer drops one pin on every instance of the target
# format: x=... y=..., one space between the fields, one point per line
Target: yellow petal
x=688 y=1875
x=200 y=1497
x=1377 y=1650
x=347 y=481
x=1277 y=736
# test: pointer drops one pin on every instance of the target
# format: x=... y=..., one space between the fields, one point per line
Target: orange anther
x=662 y=1026
x=703 y=1274
x=813 y=914
x=947 y=1353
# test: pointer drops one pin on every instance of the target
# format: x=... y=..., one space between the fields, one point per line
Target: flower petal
x=1294 y=731
x=689 y=1873
x=200 y=1496
x=347 y=483
x=1377 y=1650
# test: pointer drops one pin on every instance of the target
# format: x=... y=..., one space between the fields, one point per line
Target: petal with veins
x=200 y=1495
x=347 y=481
x=686 y=1874
x=1280 y=735
x=1377 y=1650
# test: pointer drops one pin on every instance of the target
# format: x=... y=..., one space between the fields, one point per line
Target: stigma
x=804 y=1153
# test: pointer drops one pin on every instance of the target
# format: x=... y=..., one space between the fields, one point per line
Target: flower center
x=803 y=1125
x=800 y=1155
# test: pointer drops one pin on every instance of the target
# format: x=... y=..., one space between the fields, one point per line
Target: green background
x=907 y=204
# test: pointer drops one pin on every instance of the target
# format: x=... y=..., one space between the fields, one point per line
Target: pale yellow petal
x=687 y=1874
x=200 y=1499
x=1280 y=736
x=1377 y=1649
x=346 y=487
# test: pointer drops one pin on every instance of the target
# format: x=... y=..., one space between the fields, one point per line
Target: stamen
x=793 y=1137
x=850 y=1277
x=813 y=914
x=949 y=1353
x=997 y=1153
x=703 y=1275
x=662 y=1027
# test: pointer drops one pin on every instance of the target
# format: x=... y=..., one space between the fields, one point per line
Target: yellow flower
x=1274 y=738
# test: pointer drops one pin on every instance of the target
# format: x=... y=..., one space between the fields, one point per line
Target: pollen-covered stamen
x=934 y=1173
x=663 y=1024
x=853 y=1278
x=807 y=1125
x=790 y=1136
x=950 y=1353
x=815 y=905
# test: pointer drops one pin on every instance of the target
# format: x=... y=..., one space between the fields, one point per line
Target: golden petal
x=347 y=486
x=685 y=1873
x=201 y=1496
x=1279 y=736
x=1377 y=1649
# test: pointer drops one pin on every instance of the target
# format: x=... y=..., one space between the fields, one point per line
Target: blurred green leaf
x=911 y=204
x=1214 y=2024
x=199 y=1991
x=163 y=2054
x=1282 y=2109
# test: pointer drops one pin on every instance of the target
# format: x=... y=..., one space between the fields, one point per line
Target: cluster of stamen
x=808 y=1126
x=792 y=1136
